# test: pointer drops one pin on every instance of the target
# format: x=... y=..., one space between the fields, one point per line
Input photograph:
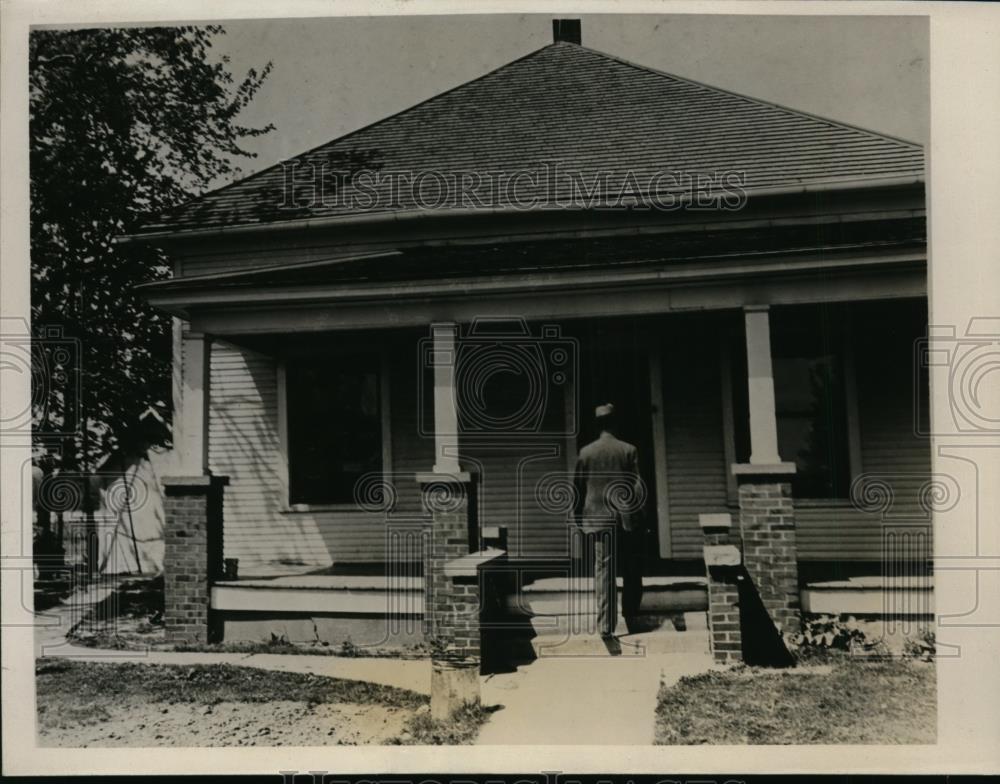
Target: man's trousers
x=616 y=552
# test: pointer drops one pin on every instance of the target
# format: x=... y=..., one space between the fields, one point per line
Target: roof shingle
x=565 y=116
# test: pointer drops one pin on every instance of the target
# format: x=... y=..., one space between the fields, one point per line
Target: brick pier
x=192 y=557
x=752 y=568
x=767 y=526
x=451 y=585
x=723 y=561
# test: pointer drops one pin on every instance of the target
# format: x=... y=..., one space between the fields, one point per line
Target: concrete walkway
x=563 y=700
x=54 y=624
x=583 y=697
x=592 y=700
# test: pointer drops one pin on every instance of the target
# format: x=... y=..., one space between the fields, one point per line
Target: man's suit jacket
x=607 y=483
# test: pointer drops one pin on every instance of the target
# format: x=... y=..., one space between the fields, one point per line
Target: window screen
x=334 y=427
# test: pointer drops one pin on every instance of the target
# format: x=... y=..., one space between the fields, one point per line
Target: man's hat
x=605 y=410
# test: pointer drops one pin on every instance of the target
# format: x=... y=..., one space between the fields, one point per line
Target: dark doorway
x=614 y=368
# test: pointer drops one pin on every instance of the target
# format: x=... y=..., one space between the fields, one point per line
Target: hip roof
x=564 y=125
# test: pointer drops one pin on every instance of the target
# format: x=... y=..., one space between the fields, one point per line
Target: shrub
x=827 y=633
x=924 y=647
x=349 y=649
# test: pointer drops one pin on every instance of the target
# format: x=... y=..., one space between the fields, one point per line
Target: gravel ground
x=281 y=723
x=83 y=704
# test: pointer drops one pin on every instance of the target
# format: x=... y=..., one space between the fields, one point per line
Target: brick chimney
x=567 y=30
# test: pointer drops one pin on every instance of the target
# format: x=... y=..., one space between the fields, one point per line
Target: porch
x=368 y=613
x=764 y=389
x=844 y=391
x=336 y=567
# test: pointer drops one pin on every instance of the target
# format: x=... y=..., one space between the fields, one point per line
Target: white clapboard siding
x=890 y=450
x=696 y=460
x=244 y=445
x=513 y=475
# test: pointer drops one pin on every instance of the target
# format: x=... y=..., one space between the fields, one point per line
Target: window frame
x=727 y=337
x=284 y=462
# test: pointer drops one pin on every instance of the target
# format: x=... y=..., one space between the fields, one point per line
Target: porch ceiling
x=614 y=258
x=330 y=308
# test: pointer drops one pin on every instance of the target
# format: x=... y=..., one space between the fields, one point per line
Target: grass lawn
x=854 y=702
x=132 y=704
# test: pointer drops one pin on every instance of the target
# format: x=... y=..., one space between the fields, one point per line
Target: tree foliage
x=124 y=123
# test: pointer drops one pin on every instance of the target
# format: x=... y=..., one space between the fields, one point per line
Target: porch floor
x=326 y=582
x=876 y=582
x=874 y=596
x=322 y=593
x=868 y=595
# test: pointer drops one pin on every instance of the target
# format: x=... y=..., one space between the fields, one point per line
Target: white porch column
x=193 y=419
x=177 y=380
x=659 y=448
x=451 y=598
x=760 y=383
x=767 y=517
x=445 y=406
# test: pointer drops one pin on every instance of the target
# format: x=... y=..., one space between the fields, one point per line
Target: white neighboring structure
x=131 y=505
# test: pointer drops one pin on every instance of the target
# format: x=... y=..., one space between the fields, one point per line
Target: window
x=809 y=365
x=812 y=425
x=334 y=425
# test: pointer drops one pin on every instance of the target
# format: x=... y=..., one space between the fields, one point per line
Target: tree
x=124 y=123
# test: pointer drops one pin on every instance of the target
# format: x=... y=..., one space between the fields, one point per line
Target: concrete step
x=547 y=636
x=584 y=623
x=871 y=596
x=575 y=596
x=352 y=594
x=660 y=641
x=627 y=645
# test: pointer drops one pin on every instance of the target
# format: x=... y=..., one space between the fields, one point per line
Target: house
x=406 y=329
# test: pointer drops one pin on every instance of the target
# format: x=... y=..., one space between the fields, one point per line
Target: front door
x=614 y=368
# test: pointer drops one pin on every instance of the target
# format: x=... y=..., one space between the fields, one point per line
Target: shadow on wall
x=245 y=446
x=762 y=643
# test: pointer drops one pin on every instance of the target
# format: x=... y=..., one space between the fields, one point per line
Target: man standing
x=609 y=497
